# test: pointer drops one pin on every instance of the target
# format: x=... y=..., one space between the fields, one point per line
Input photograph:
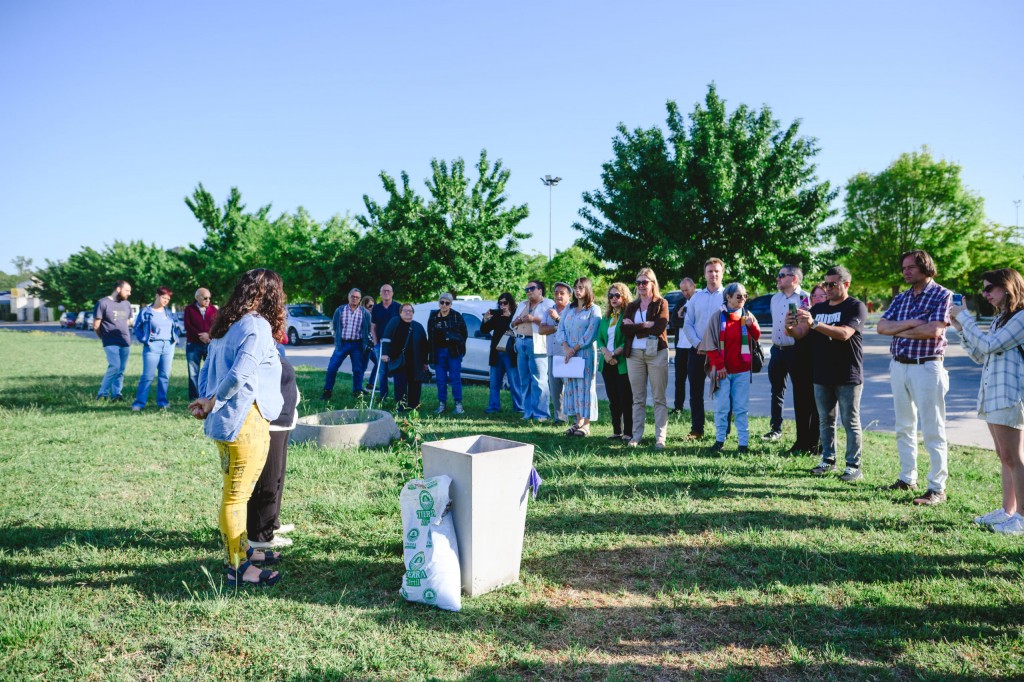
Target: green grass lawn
x=637 y=564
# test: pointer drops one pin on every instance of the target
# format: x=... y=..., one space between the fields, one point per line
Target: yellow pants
x=241 y=462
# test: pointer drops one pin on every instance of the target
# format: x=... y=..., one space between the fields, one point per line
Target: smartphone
x=958 y=299
x=792 y=309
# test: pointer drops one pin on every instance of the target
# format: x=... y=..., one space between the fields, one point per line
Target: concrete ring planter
x=346 y=429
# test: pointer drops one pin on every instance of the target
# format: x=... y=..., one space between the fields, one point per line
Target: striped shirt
x=931 y=305
x=1002 y=374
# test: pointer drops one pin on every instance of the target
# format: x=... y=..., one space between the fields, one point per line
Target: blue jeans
x=449 y=370
x=342 y=350
x=382 y=373
x=847 y=396
x=533 y=380
x=156 y=362
x=734 y=389
x=113 y=380
x=195 y=354
x=504 y=369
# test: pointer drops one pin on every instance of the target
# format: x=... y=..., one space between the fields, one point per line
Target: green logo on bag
x=416 y=574
x=411 y=538
x=427 y=511
x=429 y=596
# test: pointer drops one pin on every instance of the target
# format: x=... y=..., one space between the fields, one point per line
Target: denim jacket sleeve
x=242 y=369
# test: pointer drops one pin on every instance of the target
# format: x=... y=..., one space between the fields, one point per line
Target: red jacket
x=196 y=322
x=732 y=358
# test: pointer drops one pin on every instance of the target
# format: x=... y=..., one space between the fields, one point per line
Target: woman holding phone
x=1002 y=386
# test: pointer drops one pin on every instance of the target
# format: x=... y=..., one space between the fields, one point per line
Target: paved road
x=962 y=425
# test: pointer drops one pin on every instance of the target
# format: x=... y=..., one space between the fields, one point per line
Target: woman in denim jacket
x=155 y=329
x=240 y=394
x=1002 y=385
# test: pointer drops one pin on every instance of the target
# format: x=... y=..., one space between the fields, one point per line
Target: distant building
x=20 y=303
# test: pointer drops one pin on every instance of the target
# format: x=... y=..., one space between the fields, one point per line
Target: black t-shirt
x=839 y=362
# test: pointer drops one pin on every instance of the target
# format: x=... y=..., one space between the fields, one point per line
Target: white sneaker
x=278 y=541
x=285 y=529
x=1012 y=526
x=992 y=518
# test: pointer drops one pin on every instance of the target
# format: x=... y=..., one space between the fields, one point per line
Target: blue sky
x=113 y=112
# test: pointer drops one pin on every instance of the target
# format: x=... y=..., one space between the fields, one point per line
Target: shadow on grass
x=741 y=565
x=673 y=523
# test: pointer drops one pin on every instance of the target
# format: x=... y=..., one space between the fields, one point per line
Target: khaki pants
x=241 y=463
x=649 y=365
x=921 y=390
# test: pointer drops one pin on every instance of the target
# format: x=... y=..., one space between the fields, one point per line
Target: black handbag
x=398 y=362
x=756 y=353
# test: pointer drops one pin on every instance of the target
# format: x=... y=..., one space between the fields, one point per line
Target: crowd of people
x=549 y=351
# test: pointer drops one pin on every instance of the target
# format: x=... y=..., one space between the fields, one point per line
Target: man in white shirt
x=703 y=304
x=531 y=351
x=792 y=358
x=683 y=346
x=562 y=296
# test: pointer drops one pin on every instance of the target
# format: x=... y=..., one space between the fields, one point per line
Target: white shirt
x=780 y=308
x=611 y=337
x=682 y=340
x=540 y=341
x=699 y=310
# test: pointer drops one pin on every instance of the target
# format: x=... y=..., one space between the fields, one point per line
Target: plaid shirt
x=1002 y=374
x=351 y=323
x=931 y=305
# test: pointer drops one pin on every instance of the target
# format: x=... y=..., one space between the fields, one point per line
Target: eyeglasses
x=831 y=285
x=642 y=282
x=988 y=288
x=611 y=296
x=444 y=302
x=529 y=288
x=783 y=275
x=204 y=298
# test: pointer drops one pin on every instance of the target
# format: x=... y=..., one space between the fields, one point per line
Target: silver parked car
x=478 y=345
x=306 y=323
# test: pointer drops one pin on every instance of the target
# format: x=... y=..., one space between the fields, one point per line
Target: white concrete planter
x=347 y=428
x=489 y=493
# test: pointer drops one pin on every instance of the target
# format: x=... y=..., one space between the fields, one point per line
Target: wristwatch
x=814 y=324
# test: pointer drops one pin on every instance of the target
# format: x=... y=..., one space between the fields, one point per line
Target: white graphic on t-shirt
x=827 y=318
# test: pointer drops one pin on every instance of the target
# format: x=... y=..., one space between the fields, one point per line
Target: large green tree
x=87 y=275
x=918 y=202
x=461 y=237
x=225 y=252
x=736 y=185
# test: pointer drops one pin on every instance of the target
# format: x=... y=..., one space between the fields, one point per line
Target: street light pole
x=550 y=182
x=1016 y=206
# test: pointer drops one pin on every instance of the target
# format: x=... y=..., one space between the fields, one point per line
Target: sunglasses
x=742 y=297
x=529 y=288
x=988 y=288
x=783 y=275
x=830 y=285
x=444 y=302
x=504 y=303
x=642 y=282
x=611 y=296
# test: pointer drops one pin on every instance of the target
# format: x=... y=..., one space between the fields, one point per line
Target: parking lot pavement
x=962 y=424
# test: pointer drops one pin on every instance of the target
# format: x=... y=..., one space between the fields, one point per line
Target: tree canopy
x=735 y=185
x=918 y=202
x=460 y=238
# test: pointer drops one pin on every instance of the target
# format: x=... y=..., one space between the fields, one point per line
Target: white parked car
x=478 y=345
x=303 y=322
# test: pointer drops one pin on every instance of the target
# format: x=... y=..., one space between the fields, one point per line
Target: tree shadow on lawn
x=674 y=523
x=741 y=565
x=625 y=672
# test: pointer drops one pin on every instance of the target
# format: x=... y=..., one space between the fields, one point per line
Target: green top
x=602 y=343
